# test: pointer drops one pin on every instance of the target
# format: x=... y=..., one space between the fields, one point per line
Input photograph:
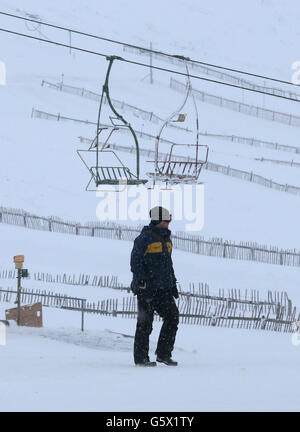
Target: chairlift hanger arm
x=105 y=92
x=172 y=170
x=113 y=174
x=176 y=112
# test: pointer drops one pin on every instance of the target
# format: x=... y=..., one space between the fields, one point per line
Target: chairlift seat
x=114 y=175
x=177 y=170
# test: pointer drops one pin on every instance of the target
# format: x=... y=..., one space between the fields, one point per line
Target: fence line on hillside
x=211 y=166
x=47 y=299
x=191 y=311
x=60 y=301
x=217 y=73
x=243 y=301
x=55 y=300
x=216 y=247
x=222 y=169
x=201 y=291
x=291 y=163
x=197 y=312
x=150 y=116
x=103 y=281
x=253 y=142
x=58 y=117
x=252 y=110
x=246 y=301
x=138 y=112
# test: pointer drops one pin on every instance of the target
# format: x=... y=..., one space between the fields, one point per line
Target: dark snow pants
x=164 y=304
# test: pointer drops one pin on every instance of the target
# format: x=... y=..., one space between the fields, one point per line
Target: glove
x=142 y=285
x=138 y=287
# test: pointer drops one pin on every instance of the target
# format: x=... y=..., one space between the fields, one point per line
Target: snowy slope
x=220 y=369
x=59 y=253
x=40 y=169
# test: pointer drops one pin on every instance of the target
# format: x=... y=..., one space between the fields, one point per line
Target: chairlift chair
x=112 y=174
x=174 y=169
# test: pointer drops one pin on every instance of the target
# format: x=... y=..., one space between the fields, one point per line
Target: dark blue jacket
x=151 y=260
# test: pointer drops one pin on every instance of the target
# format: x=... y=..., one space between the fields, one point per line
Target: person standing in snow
x=154 y=284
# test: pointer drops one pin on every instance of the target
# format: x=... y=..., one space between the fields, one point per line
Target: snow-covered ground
x=58 y=367
x=220 y=369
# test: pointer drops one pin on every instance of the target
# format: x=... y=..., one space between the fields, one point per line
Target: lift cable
x=146 y=65
x=148 y=50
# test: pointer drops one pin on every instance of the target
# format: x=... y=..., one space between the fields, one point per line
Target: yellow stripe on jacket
x=156 y=247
